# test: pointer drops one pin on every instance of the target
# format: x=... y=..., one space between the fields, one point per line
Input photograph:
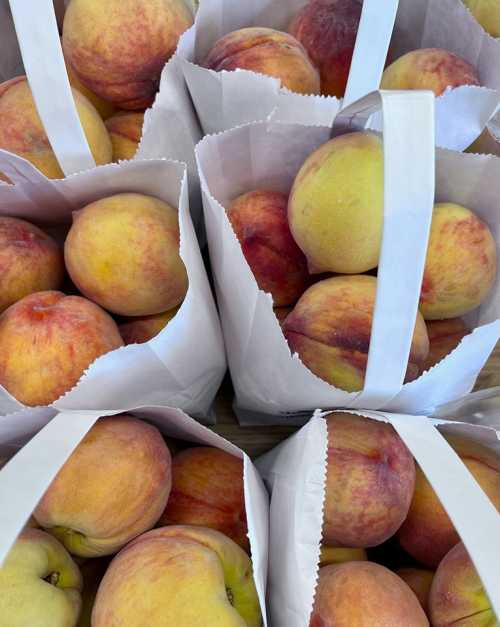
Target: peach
x=125 y=130
x=339 y=555
x=92 y=573
x=457 y=595
x=420 y=581
x=429 y=68
x=122 y=252
x=266 y=51
x=369 y=482
x=177 y=576
x=330 y=330
x=207 y=491
x=487 y=13
x=119 y=48
x=328 y=29
x=47 y=341
x=364 y=593
x=281 y=313
x=22 y=132
x=460 y=266
x=259 y=219
x=444 y=336
x=336 y=205
x=428 y=534
x=30 y=261
x=114 y=487
x=142 y=329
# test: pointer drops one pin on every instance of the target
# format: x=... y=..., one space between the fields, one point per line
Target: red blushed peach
x=142 y=329
x=47 y=341
x=118 y=48
x=259 y=219
x=420 y=581
x=327 y=29
x=207 y=491
x=330 y=330
x=429 y=68
x=457 y=595
x=125 y=131
x=369 y=482
x=281 y=313
x=114 y=487
x=266 y=51
x=364 y=593
x=30 y=261
x=444 y=336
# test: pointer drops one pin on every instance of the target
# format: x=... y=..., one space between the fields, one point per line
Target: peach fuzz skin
x=144 y=328
x=22 y=132
x=122 y=252
x=104 y=108
x=428 y=534
x=177 y=576
x=429 y=68
x=339 y=555
x=457 y=595
x=30 y=261
x=487 y=13
x=328 y=29
x=266 y=51
x=118 y=48
x=364 y=593
x=444 y=337
x=335 y=208
x=207 y=491
x=48 y=340
x=259 y=219
x=330 y=330
x=114 y=487
x=125 y=131
x=420 y=581
x=369 y=482
x=460 y=266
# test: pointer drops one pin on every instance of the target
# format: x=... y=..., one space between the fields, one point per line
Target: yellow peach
x=444 y=336
x=144 y=328
x=125 y=130
x=487 y=13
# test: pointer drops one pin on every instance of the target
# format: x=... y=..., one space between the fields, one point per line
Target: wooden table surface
x=258 y=440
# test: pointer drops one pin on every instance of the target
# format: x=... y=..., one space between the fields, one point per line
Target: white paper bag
x=267 y=378
x=295 y=473
x=47 y=440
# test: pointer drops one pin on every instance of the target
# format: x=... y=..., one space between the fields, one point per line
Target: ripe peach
x=420 y=581
x=444 y=336
x=118 y=48
x=114 y=487
x=125 y=130
x=364 y=593
x=338 y=555
x=142 y=329
x=369 y=482
x=30 y=261
x=487 y=13
x=328 y=29
x=429 y=68
x=266 y=51
x=123 y=253
x=259 y=219
x=207 y=491
x=177 y=576
x=335 y=209
x=457 y=595
x=330 y=329
x=22 y=132
x=47 y=341
x=281 y=313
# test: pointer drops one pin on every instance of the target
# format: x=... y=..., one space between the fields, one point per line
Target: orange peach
x=30 y=261
x=460 y=266
x=118 y=48
x=444 y=336
x=207 y=491
x=122 y=252
x=104 y=108
x=142 y=329
x=420 y=581
x=428 y=534
x=114 y=487
x=328 y=29
x=339 y=555
x=266 y=51
x=125 y=130
x=336 y=206
x=369 y=482
x=47 y=341
x=330 y=330
x=259 y=219
x=457 y=594
x=364 y=593
x=487 y=13
x=22 y=132
x=179 y=576
x=429 y=68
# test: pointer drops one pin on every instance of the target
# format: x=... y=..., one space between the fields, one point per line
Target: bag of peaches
x=242 y=61
x=358 y=271
x=104 y=297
